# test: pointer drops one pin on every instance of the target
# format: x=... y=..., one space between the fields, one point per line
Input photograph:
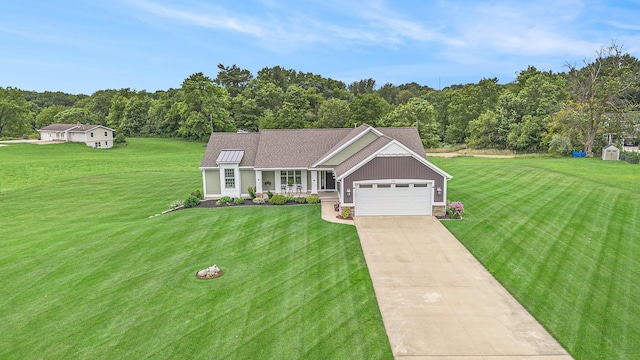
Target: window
x=91 y=134
x=419 y=185
x=105 y=134
x=229 y=179
x=402 y=185
x=367 y=186
x=106 y=144
x=384 y=186
x=295 y=176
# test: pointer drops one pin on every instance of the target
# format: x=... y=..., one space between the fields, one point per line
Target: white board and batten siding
x=393 y=198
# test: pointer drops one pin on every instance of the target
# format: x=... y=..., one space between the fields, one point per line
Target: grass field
x=87 y=274
x=563 y=236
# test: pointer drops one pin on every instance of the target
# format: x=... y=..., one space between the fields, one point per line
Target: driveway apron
x=438 y=302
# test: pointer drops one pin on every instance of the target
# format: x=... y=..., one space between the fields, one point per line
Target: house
x=374 y=171
x=610 y=152
x=96 y=136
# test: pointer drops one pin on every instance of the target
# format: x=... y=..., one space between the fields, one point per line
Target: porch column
x=314 y=181
x=259 y=182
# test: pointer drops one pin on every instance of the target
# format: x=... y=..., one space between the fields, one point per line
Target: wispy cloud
x=211 y=17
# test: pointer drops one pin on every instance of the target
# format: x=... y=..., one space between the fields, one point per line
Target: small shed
x=610 y=152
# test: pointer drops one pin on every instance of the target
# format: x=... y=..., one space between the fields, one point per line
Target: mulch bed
x=212 y=204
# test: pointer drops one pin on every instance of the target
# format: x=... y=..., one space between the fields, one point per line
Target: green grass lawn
x=87 y=274
x=563 y=236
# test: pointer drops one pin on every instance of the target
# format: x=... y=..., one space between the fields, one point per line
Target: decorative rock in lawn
x=209 y=273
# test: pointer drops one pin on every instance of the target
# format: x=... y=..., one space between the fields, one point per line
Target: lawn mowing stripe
x=555 y=298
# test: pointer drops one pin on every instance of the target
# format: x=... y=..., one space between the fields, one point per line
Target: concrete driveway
x=438 y=302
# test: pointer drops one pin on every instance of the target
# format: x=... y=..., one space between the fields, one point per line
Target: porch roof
x=230 y=156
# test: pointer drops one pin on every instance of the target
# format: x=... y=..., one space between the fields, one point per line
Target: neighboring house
x=96 y=136
x=375 y=171
x=610 y=152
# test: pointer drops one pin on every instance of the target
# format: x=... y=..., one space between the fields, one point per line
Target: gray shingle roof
x=298 y=148
x=221 y=141
x=408 y=136
x=301 y=148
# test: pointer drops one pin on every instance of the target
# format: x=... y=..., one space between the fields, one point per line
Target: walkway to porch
x=327 y=199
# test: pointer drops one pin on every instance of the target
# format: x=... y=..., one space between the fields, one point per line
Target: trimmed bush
x=119 y=139
x=301 y=200
x=238 y=201
x=252 y=192
x=191 y=201
x=346 y=212
x=278 y=199
x=258 y=200
x=225 y=200
x=197 y=193
x=313 y=199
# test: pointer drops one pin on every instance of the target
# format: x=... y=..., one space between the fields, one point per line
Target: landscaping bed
x=212 y=203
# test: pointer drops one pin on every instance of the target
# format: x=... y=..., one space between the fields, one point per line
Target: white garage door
x=392 y=199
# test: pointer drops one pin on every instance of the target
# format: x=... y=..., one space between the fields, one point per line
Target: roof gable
x=352 y=137
x=391 y=147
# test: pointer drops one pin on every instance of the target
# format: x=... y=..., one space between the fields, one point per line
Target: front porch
x=295 y=181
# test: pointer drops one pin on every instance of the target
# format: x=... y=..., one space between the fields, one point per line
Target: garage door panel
x=393 y=200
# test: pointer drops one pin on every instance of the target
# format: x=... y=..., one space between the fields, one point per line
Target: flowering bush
x=455 y=209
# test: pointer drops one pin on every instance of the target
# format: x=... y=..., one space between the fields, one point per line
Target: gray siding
x=385 y=168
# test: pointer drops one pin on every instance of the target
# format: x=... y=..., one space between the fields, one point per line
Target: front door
x=329 y=181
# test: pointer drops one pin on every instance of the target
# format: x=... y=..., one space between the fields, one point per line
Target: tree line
x=539 y=111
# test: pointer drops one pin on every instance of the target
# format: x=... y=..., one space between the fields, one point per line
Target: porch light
x=348 y=191
x=439 y=191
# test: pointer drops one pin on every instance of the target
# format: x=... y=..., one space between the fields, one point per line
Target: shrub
x=176 y=204
x=278 y=199
x=258 y=200
x=346 y=212
x=312 y=199
x=290 y=197
x=630 y=157
x=560 y=145
x=455 y=209
x=191 y=201
x=225 y=200
x=269 y=194
x=218 y=203
x=120 y=139
x=238 y=201
x=301 y=200
x=252 y=192
x=197 y=193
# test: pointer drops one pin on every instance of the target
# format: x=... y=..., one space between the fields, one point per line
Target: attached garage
x=393 y=198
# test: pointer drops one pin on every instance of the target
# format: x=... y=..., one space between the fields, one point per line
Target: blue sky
x=84 y=46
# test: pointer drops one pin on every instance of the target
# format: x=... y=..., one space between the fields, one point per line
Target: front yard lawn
x=87 y=274
x=563 y=236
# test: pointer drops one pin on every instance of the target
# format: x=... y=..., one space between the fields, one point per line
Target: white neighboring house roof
x=73 y=127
